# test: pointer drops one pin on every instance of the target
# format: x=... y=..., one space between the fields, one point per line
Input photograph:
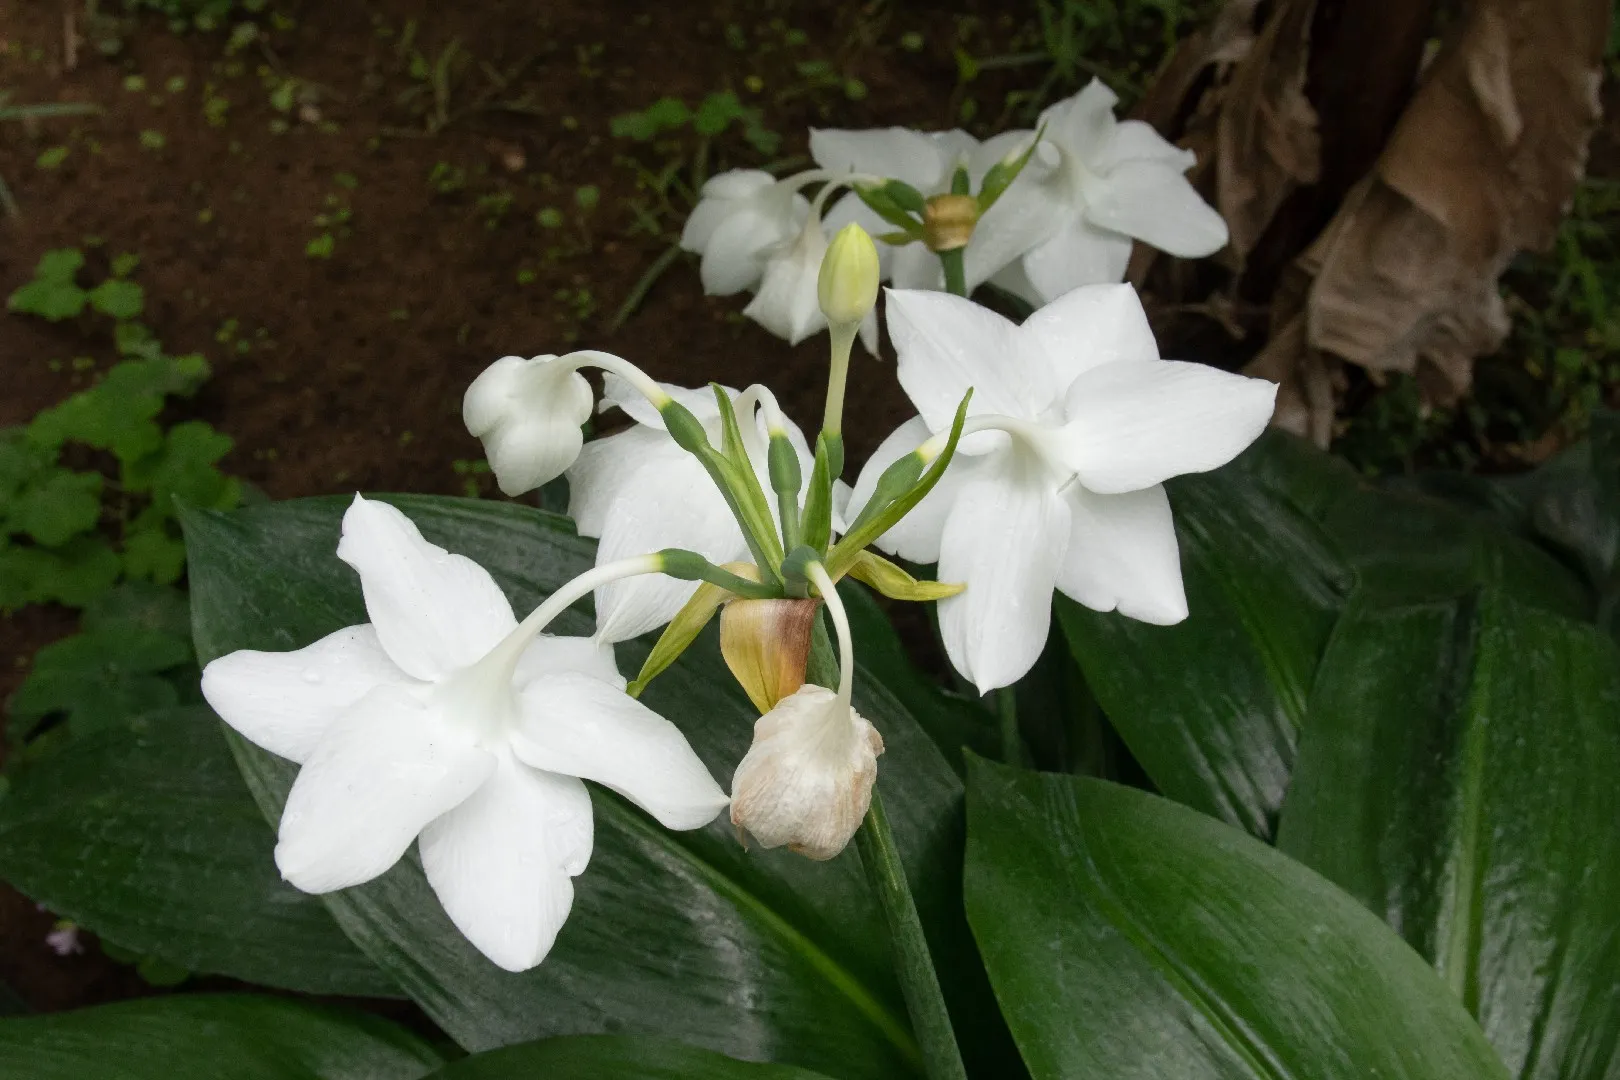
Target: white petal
x=669 y=502
x=618 y=393
x=787 y=303
x=896 y=153
x=434 y=611
x=383 y=770
x=1133 y=425
x=916 y=536
x=1133 y=140
x=1153 y=202
x=1087 y=328
x=1078 y=254
x=528 y=414
x=579 y=726
x=501 y=862
x=915 y=267
x=285 y=701
x=735 y=256
x=947 y=345
x=1123 y=555
x=1005 y=538
x=1013 y=279
x=721 y=195
x=1084 y=123
x=1021 y=219
x=604 y=468
x=737 y=184
x=561 y=655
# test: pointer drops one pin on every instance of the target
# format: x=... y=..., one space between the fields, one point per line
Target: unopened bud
x=848 y=285
x=806 y=782
x=948 y=221
x=766 y=644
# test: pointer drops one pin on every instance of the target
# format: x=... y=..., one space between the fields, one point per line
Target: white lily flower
x=1074 y=424
x=743 y=217
x=444 y=719
x=638 y=491
x=1094 y=185
x=806 y=780
x=528 y=414
x=787 y=303
x=926 y=161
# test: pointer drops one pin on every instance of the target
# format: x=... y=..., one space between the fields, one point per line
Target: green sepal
x=687 y=430
x=818 y=502
x=1003 y=173
x=897 y=239
x=892 y=581
x=682 y=630
x=747 y=481
x=894 y=202
x=961 y=182
x=795 y=568
x=869 y=526
x=786 y=479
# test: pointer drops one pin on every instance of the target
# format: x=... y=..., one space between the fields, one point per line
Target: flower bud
x=807 y=780
x=848 y=284
x=766 y=644
x=528 y=414
x=948 y=221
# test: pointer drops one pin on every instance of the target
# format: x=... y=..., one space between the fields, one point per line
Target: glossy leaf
x=613 y=1057
x=756 y=954
x=212 y=1037
x=1130 y=938
x=1212 y=707
x=144 y=833
x=1459 y=778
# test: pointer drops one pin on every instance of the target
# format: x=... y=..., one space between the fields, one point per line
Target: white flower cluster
x=1035 y=464
x=1093 y=185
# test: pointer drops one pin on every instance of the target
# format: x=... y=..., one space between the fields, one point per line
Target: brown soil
x=354 y=366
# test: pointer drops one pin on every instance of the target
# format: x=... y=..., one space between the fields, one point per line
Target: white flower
x=638 y=491
x=440 y=718
x=807 y=779
x=528 y=414
x=787 y=303
x=743 y=217
x=1093 y=185
x=926 y=161
x=1075 y=421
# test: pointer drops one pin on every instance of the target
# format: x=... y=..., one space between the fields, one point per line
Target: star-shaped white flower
x=1095 y=184
x=1075 y=422
x=743 y=218
x=926 y=161
x=441 y=719
x=637 y=491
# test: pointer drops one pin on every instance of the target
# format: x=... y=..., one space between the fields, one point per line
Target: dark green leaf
x=74 y=574
x=152 y=553
x=612 y=1057
x=1459 y=777
x=213 y=1037
x=1130 y=938
x=666 y=926
x=141 y=606
x=98 y=678
x=144 y=833
x=1212 y=707
x=117 y=298
x=57 y=506
x=53 y=300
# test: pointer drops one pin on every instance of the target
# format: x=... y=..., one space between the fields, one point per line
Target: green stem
x=1012 y=743
x=843 y=339
x=955 y=273
x=918 y=982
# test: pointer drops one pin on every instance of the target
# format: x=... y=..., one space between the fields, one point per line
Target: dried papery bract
x=766 y=644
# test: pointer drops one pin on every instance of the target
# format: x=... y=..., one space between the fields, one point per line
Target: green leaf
x=99 y=678
x=140 y=606
x=62 y=264
x=185 y=470
x=716 y=112
x=612 y=1057
x=1212 y=706
x=152 y=554
x=53 y=300
x=1459 y=777
x=74 y=574
x=118 y=298
x=144 y=833
x=211 y=1037
x=1129 y=937
x=665 y=114
x=57 y=506
x=21 y=463
x=663 y=922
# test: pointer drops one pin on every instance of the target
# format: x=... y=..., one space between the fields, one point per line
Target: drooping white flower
x=1075 y=422
x=786 y=303
x=1095 y=184
x=638 y=491
x=926 y=161
x=743 y=218
x=443 y=719
x=528 y=415
x=806 y=780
